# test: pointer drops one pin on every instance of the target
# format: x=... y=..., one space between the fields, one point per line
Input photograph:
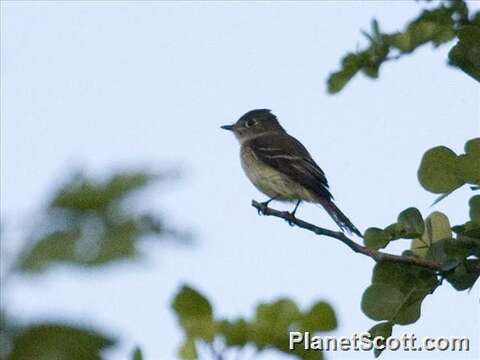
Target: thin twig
x=376 y=255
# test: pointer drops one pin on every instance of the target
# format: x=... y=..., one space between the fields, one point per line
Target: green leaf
x=468 y=168
x=84 y=194
x=397 y=292
x=375 y=238
x=474 y=204
x=411 y=221
x=137 y=354
x=438 y=170
x=470 y=229
x=338 y=80
x=384 y=330
x=58 y=341
x=273 y=321
x=452 y=252
x=55 y=247
x=472 y=146
x=236 y=333
x=465 y=275
x=188 y=350
x=269 y=329
x=395 y=231
x=89 y=223
x=435 y=26
x=437 y=227
x=195 y=313
x=466 y=53
x=321 y=317
x=382 y=301
x=440 y=253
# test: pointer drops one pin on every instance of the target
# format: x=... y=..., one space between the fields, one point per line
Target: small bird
x=281 y=167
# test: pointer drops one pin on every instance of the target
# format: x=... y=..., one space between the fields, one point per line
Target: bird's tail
x=340 y=218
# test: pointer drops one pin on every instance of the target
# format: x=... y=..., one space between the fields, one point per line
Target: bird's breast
x=270 y=181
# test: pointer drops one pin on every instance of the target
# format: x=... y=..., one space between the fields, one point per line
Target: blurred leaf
x=273 y=321
x=411 y=221
x=137 y=354
x=236 y=333
x=195 y=313
x=321 y=317
x=436 y=26
x=384 y=330
x=269 y=329
x=54 y=247
x=466 y=53
x=60 y=342
x=437 y=227
x=375 y=238
x=338 y=80
x=438 y=170
x=88 y=223
x=85 y=194
x=188 y=350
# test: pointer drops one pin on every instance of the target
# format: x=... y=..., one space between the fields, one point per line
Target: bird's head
x=254 y=123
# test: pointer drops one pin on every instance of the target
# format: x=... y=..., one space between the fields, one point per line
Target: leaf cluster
x=268 y=329
x=450 y=20
x=56 y=341
x=443 y=171
x=90 y=222
x=398 y=290
x=87 y=222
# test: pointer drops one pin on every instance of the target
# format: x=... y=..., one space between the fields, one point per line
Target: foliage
x=87 y=222
x=268 y=329
x=443 y=171
x=450 y=20
x=383 y=329
x=58 y=341
x=466 y=53
x=137 y=354
x=397 y=289
x=91 y=223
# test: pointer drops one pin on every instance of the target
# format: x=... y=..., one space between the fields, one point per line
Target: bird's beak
x=227 y=127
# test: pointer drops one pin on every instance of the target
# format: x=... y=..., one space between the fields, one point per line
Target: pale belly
x=272 y=182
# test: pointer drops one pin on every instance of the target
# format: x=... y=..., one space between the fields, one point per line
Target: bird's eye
x=250 y=122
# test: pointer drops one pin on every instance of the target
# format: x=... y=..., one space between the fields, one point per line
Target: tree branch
x=376 y=255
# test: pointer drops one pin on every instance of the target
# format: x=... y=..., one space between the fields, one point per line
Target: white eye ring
x=250 y=122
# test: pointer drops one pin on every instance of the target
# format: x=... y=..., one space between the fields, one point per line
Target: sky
x=114 y=84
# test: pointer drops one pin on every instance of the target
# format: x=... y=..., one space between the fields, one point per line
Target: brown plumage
x=281 y=167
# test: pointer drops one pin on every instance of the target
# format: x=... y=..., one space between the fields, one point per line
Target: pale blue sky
x=104 y=85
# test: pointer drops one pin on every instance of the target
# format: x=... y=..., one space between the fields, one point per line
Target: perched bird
x=281 y=167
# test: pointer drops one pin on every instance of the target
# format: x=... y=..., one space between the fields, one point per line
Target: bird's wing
x=287 y=155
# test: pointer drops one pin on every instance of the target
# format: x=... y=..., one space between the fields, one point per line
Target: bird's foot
x=291 y=218
x=264 y=205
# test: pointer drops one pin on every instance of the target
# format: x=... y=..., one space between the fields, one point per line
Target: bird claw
x=262 y=207
x=292 y=218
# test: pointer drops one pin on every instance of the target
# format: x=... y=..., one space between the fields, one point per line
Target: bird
x=280 y=166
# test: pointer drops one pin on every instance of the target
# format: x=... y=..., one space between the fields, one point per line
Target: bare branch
x=376 y=255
